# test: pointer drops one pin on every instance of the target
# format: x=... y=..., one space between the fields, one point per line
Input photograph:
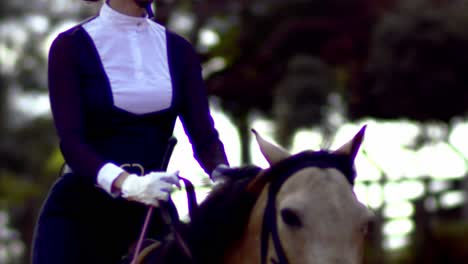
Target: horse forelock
x=320 y=159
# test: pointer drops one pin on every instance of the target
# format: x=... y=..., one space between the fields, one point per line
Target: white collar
x=121 y=20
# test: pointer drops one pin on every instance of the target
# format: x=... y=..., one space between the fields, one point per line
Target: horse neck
x=247 y=249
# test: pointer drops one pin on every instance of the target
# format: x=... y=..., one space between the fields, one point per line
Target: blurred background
x=307 y=74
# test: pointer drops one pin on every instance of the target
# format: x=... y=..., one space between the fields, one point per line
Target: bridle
x=278 y=174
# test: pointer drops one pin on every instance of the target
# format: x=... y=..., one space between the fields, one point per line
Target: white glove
x=150 y=188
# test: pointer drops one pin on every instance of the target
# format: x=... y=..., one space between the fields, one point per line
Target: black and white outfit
x=117 y=84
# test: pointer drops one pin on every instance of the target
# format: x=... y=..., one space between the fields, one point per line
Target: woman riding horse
x=117 y=83
x=300 y=210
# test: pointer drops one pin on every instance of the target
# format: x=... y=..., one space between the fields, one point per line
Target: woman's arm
x=66 y=105
x=195 y=114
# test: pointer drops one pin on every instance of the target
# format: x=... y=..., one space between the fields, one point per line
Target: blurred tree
x=270 y=34
x=417 y=68
x=301 y=97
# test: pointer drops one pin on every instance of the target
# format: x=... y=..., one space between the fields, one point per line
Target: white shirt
x=133 y=53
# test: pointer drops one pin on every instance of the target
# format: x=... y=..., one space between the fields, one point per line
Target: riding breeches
x=80 y=223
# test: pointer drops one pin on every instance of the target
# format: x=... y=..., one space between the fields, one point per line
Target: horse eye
x=291 y=218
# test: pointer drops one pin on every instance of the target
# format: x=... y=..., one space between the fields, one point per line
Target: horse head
x=300 y=210
x=306 y=211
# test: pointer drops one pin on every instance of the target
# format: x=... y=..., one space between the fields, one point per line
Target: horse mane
x=221 y=218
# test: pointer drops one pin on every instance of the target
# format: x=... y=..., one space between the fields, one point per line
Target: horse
x=299 y=210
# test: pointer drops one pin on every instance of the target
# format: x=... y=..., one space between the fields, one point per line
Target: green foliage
x=53 y=165
x=14 y=190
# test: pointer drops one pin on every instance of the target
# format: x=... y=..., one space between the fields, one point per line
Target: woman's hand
x=150 y=188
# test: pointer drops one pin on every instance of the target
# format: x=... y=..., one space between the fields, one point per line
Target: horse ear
x=272 y=153
x=352 y=147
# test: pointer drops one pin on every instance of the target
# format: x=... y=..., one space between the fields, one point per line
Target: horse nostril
x=291 y=218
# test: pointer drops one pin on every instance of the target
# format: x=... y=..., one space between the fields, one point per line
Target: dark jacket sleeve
x=66 y=104
x=195 y=114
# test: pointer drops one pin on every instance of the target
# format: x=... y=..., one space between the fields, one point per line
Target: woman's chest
x=134 y=69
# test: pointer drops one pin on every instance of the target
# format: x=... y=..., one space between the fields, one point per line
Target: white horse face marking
x=319 y=218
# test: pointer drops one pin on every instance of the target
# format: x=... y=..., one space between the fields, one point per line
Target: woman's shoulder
x=175 y=39
x=179 y=42
x=70 y=39
x=76 y=31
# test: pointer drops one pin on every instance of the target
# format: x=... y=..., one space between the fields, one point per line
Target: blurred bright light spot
x=394 y=162
x=381 y=136
x=306 y=140
x=374 y=197
x=208 y=38
x=17 y=249
x=345 y=133
x=401 y=209
x=395 y=242
x=404 y=190
x=213 y=65
x=65 y=6
x=458 y=138
x=386 y=146
x=13 y=36
x=3 y=218
x=37 y=23
x=5 y=233
x=3 y=254
x=452 y=199
x=335 y=118
x=366 y=170
x=407 y=163
x=435 y=132
x=437 y=186
x=15 y=32
x=361 y=193
x=10 y=245
x=31 y=104
x=398 y=227
x=441 y=162
x=8 y=58
x=181 y=22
